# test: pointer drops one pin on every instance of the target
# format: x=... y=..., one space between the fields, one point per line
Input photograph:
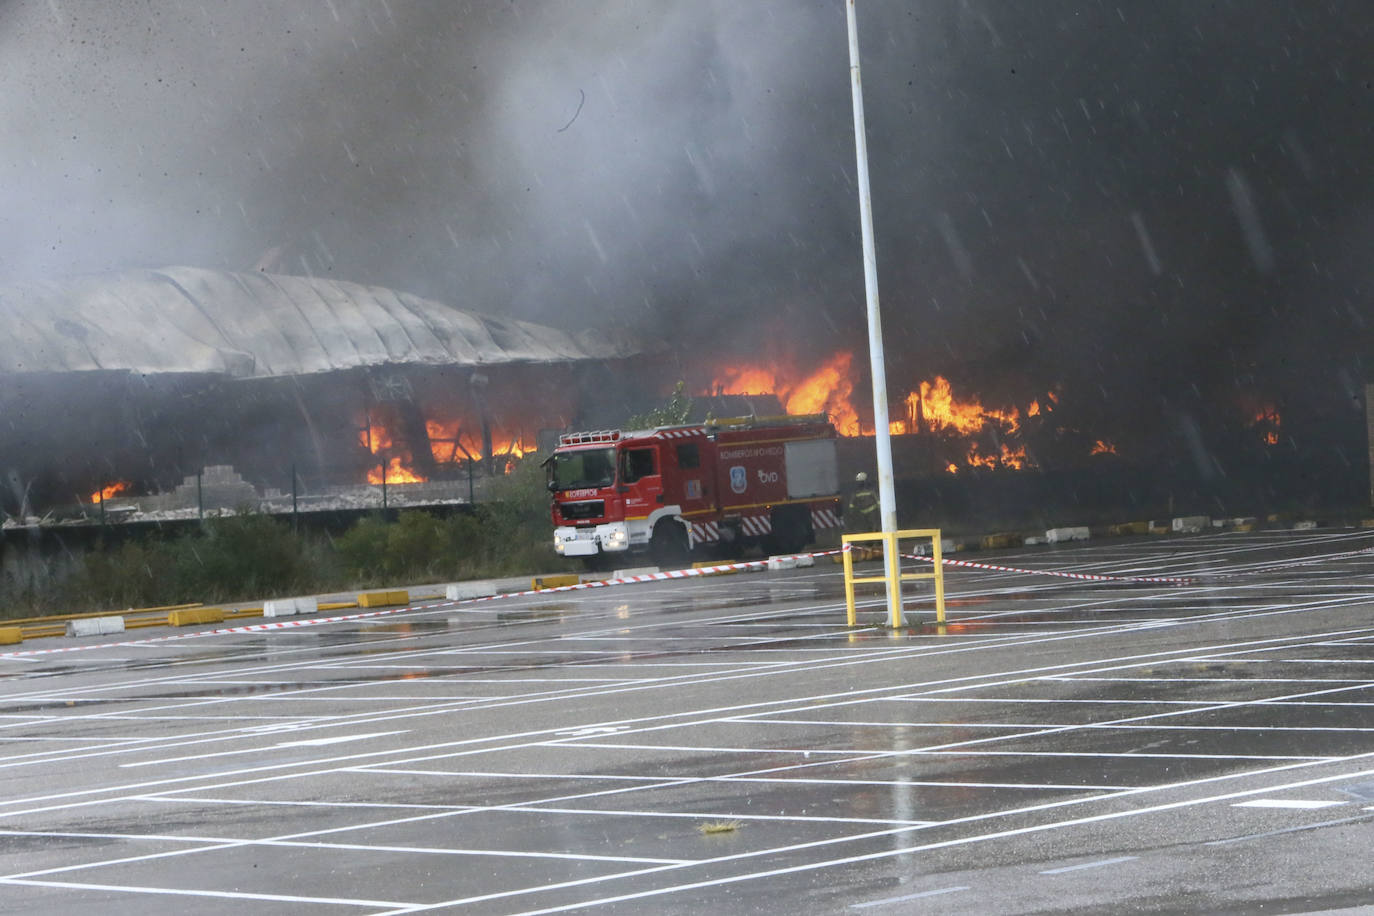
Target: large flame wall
x=963 y=431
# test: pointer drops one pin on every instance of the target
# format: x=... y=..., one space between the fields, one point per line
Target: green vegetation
x=509 y=535
x=250 y=556
x=676 y=411
x=232 y=558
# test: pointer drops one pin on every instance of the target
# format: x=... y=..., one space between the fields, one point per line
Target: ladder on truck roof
x=712 y=425
x=765 y=422
x=590 y=437
x=716 y=424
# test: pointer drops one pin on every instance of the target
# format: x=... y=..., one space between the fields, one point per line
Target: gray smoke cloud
x=596 y=161
x=1152 y=204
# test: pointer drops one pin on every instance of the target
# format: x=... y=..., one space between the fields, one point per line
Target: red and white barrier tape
x=299 y=622
x=646 y=577
x=1164 y=580
x=1089 y=577
x=694 y=572
x=220 y=631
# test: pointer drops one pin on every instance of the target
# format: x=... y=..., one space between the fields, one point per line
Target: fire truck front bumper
x=588 y=542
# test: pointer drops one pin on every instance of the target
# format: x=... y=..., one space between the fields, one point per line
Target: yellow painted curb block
x=1159 y=529
x=10 y=635
x=1130 y=528
x=1248 y=527
x=383 y=599
x=145 y=622
x=63 y=618
x=1367 y=523
x=994 y=541
x=191 y=616
x=337 y=605
x=707 y=563
x=539 y=583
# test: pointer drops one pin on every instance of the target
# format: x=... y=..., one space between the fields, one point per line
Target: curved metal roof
x=258 y=325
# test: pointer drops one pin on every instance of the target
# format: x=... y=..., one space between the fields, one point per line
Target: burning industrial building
x=124 y=387
x=126 y=384
x=1167 y=231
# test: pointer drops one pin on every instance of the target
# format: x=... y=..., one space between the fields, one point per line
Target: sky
x=1162 y=209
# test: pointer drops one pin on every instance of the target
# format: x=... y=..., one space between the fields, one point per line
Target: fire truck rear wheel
x=669 y=544
x=791 y=530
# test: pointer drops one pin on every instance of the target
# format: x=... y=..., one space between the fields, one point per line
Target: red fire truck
x=770 y=482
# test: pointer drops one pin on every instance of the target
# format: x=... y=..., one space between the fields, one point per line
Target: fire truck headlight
x=616 y=537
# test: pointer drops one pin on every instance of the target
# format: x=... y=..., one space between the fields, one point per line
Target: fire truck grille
x=590 y=509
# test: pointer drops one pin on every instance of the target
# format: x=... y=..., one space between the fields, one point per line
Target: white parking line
x=227 y=895
x=1295 y=803
x=312 y=742
x=906 y=850
x=934 y=893
x=1068 y=868
x=727 y=671
x=206 y=842
x=957 y=684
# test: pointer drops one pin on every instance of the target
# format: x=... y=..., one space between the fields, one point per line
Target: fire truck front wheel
x=597 y=562
x=669 y=544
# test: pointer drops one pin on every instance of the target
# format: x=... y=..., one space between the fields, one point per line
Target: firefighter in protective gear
x=862 y=514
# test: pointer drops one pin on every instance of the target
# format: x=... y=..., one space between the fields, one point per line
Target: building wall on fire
x=70 y=434
x=140 y=378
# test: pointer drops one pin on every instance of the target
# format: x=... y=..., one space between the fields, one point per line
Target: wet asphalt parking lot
x=727 y=745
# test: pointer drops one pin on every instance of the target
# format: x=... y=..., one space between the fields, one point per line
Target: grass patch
x=252 y=556
x=713 y=827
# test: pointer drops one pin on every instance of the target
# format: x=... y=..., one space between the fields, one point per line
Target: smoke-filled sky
x=1168 y=198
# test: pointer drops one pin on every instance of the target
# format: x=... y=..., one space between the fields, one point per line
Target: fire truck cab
x=735 y=483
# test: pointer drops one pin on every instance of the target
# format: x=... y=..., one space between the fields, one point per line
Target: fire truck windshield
x=582 y=469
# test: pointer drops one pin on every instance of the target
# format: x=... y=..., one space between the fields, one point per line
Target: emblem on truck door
x=739 y=479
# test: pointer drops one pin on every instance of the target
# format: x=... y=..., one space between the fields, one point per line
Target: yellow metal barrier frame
x=893 y=576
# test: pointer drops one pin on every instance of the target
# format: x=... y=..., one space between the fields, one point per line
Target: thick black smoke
x=1165 y=208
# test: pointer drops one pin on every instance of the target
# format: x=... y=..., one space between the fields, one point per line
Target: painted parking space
x=671 y=746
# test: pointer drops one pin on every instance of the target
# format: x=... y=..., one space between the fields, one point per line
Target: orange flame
x=933 y=407
x=394 y=472
x=374 y=437
x=1005 y=457
x=113 y=490
x=377 y=439
x=827 y=390
x=747 y=380
x=450 y=442
x=1268 y=424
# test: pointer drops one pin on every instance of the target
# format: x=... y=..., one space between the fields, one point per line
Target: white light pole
x=887 y=499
